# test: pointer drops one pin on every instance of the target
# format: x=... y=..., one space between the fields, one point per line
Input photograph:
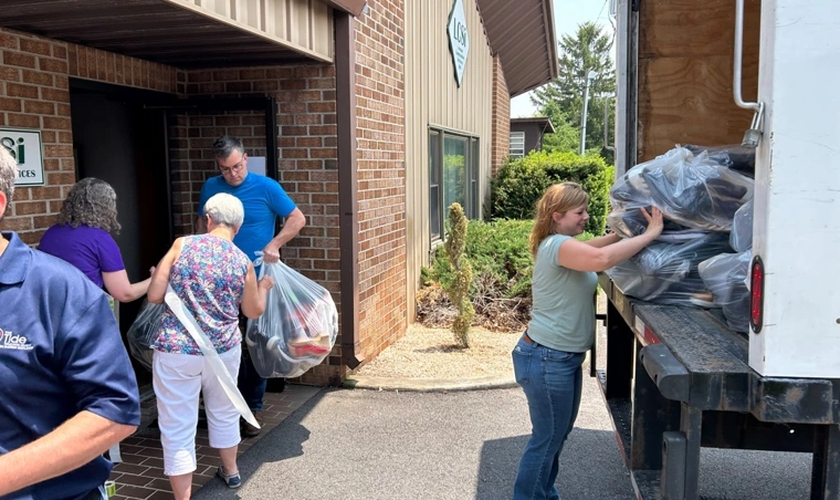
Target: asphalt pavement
x=384 y=445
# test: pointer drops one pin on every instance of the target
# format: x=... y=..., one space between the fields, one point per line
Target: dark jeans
x=552 y=382
x=250 y=384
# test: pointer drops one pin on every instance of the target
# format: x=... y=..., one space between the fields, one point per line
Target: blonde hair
x=558 y=198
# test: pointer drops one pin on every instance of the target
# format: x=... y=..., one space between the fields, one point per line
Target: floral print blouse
x=209 y=278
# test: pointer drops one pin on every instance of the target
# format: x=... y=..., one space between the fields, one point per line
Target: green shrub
x=501 y=279
x=498 y=249
x=522 y=181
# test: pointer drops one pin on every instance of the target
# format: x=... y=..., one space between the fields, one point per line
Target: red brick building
x=356 y=107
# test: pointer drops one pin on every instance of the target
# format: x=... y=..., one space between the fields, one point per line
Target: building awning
x=353 y=7
x=188 y=33
x=522 y=34
x=543 y=121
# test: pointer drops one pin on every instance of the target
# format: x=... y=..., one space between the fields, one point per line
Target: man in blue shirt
x=264 y=201
x=68 y=391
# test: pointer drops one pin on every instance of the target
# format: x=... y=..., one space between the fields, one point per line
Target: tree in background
x=566 y=137
x=562 y=99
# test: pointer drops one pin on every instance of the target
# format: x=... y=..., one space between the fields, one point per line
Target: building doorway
x=119 y=139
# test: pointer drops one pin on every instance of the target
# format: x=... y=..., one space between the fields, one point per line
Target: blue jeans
x=552 y=382
x=250 y=384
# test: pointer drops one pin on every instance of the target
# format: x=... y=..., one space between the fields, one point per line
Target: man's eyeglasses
x=234 y=169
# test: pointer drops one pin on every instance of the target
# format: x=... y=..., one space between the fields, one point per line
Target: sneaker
x=231 y=480
x=319 y=346
x=703 y=299
x=249 y=430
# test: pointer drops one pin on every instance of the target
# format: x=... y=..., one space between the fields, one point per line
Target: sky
x=568 y=14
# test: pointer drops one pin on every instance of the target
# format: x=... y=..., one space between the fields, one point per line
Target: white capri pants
x=178 y=379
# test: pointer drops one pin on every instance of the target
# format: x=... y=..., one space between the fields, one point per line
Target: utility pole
x=589 y=78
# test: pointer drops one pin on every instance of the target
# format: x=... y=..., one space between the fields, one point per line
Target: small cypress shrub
x=458 y=289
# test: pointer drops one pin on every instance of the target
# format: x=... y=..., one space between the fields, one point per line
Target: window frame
x=472 y=173
x=519 y=134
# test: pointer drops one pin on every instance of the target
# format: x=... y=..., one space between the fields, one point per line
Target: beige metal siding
x=433 y=99
x=305 y=26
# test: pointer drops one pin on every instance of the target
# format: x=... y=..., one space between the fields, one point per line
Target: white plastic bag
x=297 y=330
x=143 y=333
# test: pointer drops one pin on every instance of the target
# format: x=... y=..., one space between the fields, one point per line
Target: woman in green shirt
x=547 y=359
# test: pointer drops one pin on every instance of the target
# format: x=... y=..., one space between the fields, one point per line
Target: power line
x=602 y=10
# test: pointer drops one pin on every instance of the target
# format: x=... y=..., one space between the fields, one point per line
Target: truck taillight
x=757 y=295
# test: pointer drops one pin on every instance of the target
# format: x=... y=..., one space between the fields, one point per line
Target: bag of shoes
x=725 y=276
x=742 y=228
x=298 y=328
x=667 y=272
x=694 y=191
x=734 y=156
x=143 y=333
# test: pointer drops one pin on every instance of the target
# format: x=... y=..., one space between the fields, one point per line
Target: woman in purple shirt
x=82 y=238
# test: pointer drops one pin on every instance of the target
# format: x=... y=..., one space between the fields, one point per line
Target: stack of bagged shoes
x=666 y=272
x=694 y=191
x=726 y=274
x=700 y=196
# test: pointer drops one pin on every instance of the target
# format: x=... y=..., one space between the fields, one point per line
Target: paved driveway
x=384 y=445
x=371 y=445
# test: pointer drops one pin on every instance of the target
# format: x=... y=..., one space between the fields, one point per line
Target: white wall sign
x=459 y=40
x=25 y=147
x=256 y=165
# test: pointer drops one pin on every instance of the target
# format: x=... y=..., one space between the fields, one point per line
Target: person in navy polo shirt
x=264 y=201
x=68 y=391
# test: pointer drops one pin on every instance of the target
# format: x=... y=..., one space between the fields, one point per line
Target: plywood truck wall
x=685 y=73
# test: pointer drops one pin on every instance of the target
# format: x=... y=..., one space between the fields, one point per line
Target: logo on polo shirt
x=8 y=340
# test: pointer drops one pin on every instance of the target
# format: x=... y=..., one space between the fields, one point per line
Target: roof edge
x=353 y=7
x=551 y=35
x=528 y=54
x=545 y=121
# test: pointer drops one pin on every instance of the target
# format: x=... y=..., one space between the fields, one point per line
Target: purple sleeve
x=110 y=258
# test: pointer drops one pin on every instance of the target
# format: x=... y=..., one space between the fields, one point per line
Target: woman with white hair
x=212 y=278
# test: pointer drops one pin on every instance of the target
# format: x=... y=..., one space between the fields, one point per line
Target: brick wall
x=307 y=156
x=34 y=93
x=501 y=118
x=191 y=137
x=381 y=174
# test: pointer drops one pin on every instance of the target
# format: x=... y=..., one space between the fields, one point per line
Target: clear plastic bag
x=734 y=156
x=666 y=272
x=725 y=276
x=742 y=228
x=143 y=333
x=694 y=191
x=297 y=330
